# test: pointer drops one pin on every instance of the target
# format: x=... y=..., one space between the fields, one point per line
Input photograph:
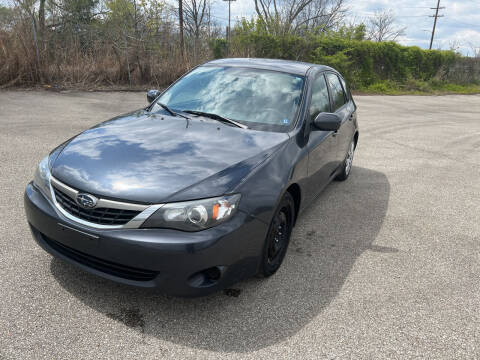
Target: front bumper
x=172 y=260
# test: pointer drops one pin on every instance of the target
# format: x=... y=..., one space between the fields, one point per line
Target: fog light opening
x=207 y=277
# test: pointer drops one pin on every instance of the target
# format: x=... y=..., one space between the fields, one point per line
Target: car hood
x=152 y=158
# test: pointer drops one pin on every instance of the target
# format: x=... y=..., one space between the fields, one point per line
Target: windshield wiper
x=170 y=111
x=216 y=117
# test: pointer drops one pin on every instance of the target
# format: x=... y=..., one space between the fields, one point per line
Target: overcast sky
x=460 y=25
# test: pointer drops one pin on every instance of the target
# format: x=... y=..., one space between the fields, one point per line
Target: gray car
x=201 y=188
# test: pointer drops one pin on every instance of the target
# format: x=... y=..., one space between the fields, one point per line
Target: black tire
x=346 y=166
x=278 y=236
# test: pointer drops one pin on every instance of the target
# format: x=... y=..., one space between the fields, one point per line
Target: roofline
x=281 y=65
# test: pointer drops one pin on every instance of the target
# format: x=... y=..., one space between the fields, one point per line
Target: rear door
x=322 y=145
x=343 y=105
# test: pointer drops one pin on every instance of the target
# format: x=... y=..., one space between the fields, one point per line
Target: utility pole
x=180 y=17
x=228 y=31
x=435 y=21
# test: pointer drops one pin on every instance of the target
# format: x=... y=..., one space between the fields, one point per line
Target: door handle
x=351 y=117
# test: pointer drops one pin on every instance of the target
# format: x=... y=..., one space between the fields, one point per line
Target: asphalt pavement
x=383 y=266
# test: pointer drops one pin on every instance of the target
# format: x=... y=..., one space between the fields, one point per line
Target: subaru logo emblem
x=86 y=201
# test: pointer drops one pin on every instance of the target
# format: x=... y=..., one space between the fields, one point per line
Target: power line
x=463 y=23
x=436 y=16
x=218 y=17
x=373 y=14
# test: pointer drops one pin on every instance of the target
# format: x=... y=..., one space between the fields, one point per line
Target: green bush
x=219 y=48
x=382 y=87
x=365 y=64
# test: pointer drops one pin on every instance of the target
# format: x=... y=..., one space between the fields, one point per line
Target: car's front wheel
x=347 y=163
x=278 y=236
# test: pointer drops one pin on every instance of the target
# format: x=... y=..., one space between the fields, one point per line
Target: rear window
x=320 y=101
x=346 y=89
x=338 y=96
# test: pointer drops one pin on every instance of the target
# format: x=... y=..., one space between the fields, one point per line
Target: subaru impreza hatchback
x=201 y=188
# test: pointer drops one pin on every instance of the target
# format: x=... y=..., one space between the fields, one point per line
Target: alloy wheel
x=349 y=159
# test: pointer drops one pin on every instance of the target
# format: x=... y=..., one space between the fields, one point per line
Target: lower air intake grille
x=104 y=266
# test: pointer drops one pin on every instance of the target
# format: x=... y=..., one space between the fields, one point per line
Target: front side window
x=338 y=97
x=261 y=99
x=320 y=101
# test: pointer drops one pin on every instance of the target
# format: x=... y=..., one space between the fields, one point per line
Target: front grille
x=104 y=266
x=101 y=216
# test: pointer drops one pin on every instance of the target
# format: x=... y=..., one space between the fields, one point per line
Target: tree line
x=95 y=43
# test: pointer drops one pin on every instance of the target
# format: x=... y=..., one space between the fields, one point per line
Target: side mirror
x=152 y=95
x=327 y=121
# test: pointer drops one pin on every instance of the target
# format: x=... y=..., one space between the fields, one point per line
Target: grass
x=418 y=87
x=412 y=87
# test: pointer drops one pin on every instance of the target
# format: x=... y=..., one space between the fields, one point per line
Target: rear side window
x=320 y=102
x=338 y=96
x=345 y=89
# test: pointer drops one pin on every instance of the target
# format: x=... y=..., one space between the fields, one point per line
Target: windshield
x=260 y=99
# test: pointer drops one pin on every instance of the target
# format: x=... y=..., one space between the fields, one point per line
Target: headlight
x=42 y=177
x=194 y=215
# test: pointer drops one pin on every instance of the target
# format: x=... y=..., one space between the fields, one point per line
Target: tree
x=195 y=18
x=292 y=16
x=381 y=27
x=6 y=18
x=350 y=31
x=180 y=15
x=320 y=15
x=41 y=16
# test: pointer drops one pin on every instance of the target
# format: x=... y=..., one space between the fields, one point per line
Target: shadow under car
x=328 y=238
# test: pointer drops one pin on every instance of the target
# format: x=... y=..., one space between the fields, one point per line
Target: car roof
x=288 y=66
